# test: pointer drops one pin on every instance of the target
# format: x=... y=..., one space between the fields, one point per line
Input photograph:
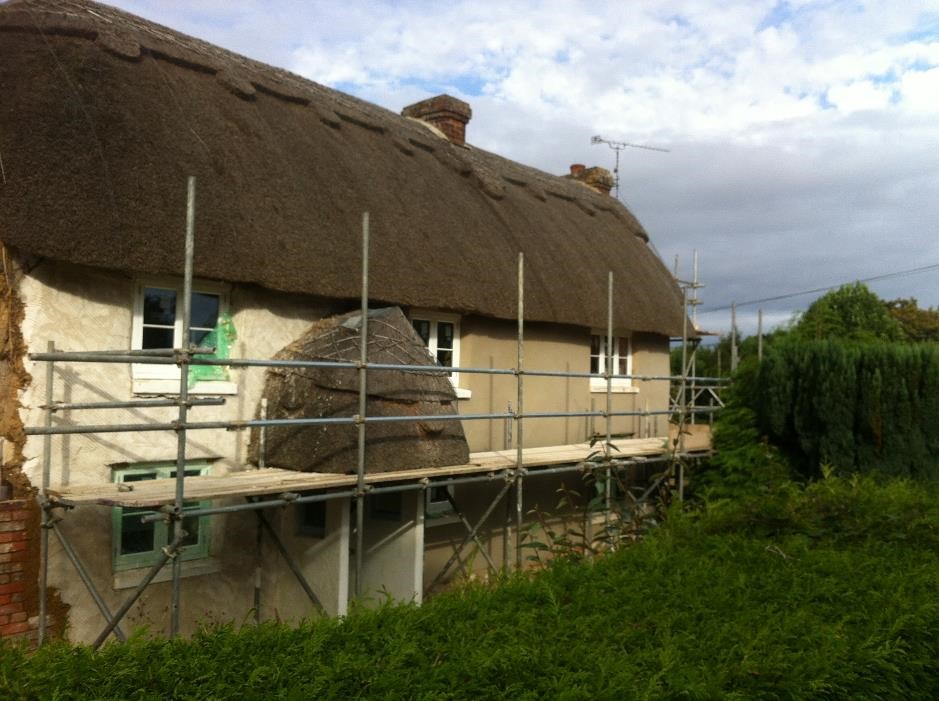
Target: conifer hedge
x=858 y=407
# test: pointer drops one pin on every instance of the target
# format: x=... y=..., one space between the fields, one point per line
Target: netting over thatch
x=333 y=392
x=104 y=115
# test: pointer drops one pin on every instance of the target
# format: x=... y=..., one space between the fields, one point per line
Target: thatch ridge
x=105 y=114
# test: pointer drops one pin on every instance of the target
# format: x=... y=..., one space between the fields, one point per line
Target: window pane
x=159 y=307
x=312 y=519
x=595 y=345
x=439 y=494
x=444 y=335
x=190 y=525
x=445 y=358
x=136 y=537
x=422 y=326
x=196 y=336
x=204 y=310
x=157 y=337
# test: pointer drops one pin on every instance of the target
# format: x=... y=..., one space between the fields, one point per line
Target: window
x=311 y=519
x=158 y=312
x=441 y=335
x=137 y=544
x=622 y=362
x=437 y=507
x=386 y=506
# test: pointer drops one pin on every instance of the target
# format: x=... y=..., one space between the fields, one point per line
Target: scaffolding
x=268 y=487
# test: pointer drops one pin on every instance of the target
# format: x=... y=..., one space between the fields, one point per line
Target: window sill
x=621 y=389
x=129 y=579
x=440 y=520
x=171 y=386
x=462 y=393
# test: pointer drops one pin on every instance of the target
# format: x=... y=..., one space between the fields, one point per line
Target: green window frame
x=135 y=544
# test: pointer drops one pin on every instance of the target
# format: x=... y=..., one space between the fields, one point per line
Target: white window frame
x=164 y=379
x=435 y=318
x=618 y=384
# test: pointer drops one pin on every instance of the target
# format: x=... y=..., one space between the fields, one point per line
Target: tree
x=918 y=324
x=851 y=313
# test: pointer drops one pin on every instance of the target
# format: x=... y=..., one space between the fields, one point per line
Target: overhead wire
x=828 y=288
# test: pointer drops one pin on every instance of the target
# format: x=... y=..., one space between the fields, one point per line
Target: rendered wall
x=86 y=309
x=491 y=343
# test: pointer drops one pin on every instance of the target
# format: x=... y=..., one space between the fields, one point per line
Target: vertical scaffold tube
x=519 y=409
x=46 y=471
x=610 y=370
x=363 y=402
x=178 y=532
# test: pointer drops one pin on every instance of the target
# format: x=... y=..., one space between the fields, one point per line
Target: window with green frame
x=136 y=544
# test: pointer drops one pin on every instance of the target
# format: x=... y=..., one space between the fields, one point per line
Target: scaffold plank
x=272 y=480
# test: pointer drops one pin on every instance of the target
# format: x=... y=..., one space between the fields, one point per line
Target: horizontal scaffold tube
x=170 y=357
x=338 y=420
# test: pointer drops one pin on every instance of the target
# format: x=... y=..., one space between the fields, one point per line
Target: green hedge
x=856 y=407
x=824 y=592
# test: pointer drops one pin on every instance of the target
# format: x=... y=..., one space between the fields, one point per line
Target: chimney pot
x=577 y=169
x=445 y=112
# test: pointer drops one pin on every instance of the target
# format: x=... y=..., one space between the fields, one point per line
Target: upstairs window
x=621 y=354
x=158 y=324
x=441 y=335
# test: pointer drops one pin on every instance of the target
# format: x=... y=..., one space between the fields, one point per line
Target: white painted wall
x=83 y=309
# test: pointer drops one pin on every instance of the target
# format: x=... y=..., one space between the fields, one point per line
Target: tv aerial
x=619 y=146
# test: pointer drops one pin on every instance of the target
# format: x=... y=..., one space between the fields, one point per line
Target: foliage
x=622 y=503
x=822 y=592
x=858 y=407
x=852 y=313
x=918 y=324
x=744 y=462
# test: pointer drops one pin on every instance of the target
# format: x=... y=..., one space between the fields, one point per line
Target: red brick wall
x=17 y=588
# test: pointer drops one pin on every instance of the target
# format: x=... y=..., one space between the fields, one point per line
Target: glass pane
x=204 y=310
x=136 y=537
x=444 y=357
x=595 y=364
x=439 y=494
x=312 y=518
x=196 y=336
x=595 y=344
x=159 y=306
x=422 y=326
x=623 y=365
x=157 y=337
x=190 y=525
x=444 y=334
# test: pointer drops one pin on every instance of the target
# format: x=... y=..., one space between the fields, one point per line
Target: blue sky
x=803 y=135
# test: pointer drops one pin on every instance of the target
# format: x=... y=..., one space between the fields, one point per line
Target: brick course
x=15 y=620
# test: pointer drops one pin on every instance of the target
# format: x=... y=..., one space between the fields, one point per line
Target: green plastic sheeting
x=221 y=337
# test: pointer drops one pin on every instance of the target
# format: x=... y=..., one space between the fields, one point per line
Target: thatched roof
x=103 y=115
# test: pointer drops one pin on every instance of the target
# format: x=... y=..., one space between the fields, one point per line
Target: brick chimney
x=445 y=112
x=596 y=178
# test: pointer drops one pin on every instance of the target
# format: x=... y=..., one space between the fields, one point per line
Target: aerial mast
x=619 y=146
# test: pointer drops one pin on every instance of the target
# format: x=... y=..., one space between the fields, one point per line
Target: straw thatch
x=104 y=114
x=334 y=392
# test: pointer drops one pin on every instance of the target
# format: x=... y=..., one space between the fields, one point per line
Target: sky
x=802 y=136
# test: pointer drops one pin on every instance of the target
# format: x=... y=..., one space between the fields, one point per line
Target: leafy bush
x=822 y=592
x=859 y=407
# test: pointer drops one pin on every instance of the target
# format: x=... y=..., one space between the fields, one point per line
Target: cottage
x=104 y=116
